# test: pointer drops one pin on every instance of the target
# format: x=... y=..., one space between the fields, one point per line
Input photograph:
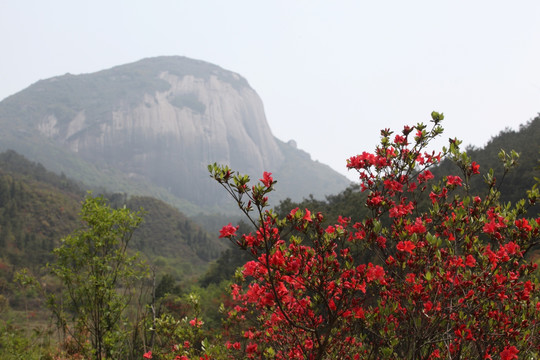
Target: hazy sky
x=330 y=73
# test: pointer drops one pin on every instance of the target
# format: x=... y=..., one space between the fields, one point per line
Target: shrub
x=446 y=280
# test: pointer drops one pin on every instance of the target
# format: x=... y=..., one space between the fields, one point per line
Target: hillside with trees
x=151 y=127
x=38 y=208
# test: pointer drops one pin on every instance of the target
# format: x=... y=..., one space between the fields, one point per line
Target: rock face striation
x=159 y=121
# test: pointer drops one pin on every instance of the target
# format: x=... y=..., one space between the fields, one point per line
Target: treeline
x=514 y=184
x=37 y=208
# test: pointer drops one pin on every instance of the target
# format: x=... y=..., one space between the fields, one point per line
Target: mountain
x=152 y=127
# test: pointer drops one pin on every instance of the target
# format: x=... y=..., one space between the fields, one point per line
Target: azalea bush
x=446 y=274
x=185 y=338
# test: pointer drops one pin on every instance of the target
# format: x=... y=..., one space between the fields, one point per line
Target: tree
x=451 y=281
x=99 y=276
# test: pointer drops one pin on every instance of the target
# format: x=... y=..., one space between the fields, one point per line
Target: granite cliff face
x=160 y=121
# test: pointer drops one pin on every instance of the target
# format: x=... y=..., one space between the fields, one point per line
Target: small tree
x=98 y=276
x=448 y=277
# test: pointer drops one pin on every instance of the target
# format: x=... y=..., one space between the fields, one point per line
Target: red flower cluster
x=267 y=179
x=450 y=281
x=228 y=231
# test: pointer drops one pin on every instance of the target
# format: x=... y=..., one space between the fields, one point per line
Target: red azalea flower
x=470 y=261
x=393 y=185
x=407 y=246
x=400 y=140
x=453 y=180
x=511 y=248
x=267 y=179
x=251 y=348
x=196 y=322
x=228 y=231
x=509 y=353
x=523 y=224
x=425 y=176
x=307 y=216
x=359 y=313
x=475 y=168
x=490 y=228
x=375 y=273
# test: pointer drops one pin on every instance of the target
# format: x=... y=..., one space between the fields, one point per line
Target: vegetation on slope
x=38 y=208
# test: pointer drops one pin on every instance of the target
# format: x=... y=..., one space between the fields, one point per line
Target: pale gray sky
x=330 y=73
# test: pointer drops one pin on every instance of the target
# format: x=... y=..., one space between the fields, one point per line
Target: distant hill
x=526 y=141
x=38 y=208
x=152 y=127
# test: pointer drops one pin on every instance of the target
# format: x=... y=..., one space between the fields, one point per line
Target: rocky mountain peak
x=159 y=120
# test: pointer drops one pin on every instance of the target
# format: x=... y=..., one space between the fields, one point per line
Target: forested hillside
x=38 y=208
x=171 y=241
x=526 y=141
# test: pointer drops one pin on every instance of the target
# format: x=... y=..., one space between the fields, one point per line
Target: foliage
x=512 y=185
x=450 y=281
x=188 y=100
x=100 y=278
x=16 y=344
x=225 y=266
x=38 y=208
x=185 y=337
x=173 y=234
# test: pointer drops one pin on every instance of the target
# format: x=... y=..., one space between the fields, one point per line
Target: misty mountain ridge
x=152 y=127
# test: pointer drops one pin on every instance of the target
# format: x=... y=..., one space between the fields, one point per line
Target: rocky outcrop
x=161 y=120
